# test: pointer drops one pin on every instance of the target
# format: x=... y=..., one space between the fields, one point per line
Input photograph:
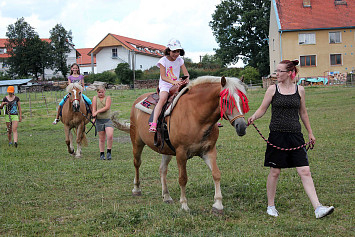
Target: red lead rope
x=310 y=144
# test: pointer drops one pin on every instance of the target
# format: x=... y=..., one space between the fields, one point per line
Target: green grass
x=45 y=192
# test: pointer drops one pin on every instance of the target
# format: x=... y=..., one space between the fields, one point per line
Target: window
x=308 y=61
x=334 y=37
x=307 y=38
x=340 y=2
x=114 y=53
x=2 y=51
x=335 y=59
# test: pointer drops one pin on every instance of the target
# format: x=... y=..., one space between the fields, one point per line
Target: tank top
x=285 y=112
x=101 y=104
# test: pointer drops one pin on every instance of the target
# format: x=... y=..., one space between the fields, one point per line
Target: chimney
x=306 y=3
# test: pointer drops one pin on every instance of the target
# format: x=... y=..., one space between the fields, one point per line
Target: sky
x=155 y=21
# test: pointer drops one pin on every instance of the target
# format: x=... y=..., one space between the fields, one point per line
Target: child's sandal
x=153 y=127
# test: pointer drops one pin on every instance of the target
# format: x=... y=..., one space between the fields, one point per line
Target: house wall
x=322 y=49
x=71 y=58
x=105 y=61
x=274 y=41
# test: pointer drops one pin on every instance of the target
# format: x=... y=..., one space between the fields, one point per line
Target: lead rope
x=309 y=145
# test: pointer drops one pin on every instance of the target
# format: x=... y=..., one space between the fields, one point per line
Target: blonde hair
x=101 y=87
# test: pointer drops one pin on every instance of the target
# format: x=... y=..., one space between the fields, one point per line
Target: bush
x=251 y=75
x=107 y=76
x=4 y=76
x=124 y=73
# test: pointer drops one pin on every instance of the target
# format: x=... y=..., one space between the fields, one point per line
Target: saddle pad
x=147 y=107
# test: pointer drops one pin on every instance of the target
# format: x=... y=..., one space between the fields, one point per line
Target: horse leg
x=181 y=162
x=137 y=152
x=69 y=139
x=210 y=159
x=163 y=170
x=79 y=138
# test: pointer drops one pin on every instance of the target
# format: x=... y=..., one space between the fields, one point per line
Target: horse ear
x=223 y=81
x=242 y=78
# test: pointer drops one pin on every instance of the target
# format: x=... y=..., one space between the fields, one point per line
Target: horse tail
x=120 y=126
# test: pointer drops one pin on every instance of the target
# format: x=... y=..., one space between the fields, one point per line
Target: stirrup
x=55 y=121
x=153 y=127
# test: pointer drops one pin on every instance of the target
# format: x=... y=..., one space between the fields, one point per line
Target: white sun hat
x=174 y=44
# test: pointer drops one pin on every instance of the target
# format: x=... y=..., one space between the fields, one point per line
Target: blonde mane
x=232 y=84
x=71 y=86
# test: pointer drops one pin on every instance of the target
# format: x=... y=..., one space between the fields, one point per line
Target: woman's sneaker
x=272 y=211
x=55 y=121
x=323 y=211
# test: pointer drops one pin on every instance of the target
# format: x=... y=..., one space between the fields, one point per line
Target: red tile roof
x=2 y=45
x=138 y=46
x=84 y=57
x=323 y=14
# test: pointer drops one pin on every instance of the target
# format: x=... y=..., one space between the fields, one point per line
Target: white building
x=115 y=49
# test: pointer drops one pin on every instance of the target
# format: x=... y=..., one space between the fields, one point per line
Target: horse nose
x=76 y=107
x=240 y=127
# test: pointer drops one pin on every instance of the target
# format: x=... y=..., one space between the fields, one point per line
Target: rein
x=93 y=123
x=309 y=145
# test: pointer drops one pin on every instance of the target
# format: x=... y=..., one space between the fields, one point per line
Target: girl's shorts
x=286 y=159
x=101 y=124
x=13 y=118
x=165 y=86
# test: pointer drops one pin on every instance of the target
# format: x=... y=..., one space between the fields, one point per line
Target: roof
x=14 y=82
x=322 y=14
x=85 y=57
x=2 y=45
x=135 y=45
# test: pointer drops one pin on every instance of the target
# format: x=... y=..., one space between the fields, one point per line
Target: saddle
x=162 y=134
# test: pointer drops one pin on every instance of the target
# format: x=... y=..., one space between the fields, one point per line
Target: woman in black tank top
x=288 y=105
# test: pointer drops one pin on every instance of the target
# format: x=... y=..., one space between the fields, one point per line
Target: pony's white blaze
x=238 y=104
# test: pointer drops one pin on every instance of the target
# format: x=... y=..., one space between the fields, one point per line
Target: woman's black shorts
x=286 y=159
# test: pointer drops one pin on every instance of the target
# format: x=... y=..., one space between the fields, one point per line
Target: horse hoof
x=170 y=201
x=217 y=212
x=136 y=194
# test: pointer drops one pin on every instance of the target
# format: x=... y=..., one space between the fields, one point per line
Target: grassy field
x=46 y=192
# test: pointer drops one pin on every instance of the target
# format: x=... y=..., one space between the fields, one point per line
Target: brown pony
x=73 y=113
x=193 y=130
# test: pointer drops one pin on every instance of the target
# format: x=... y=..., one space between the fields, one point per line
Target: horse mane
x=71 y=86
x=232 y=84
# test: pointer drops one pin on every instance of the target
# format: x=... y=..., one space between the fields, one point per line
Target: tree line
x=239 y=26
x=30 y=55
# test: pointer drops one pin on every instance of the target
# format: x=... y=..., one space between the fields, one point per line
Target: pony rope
x=224 y=102
x=310 y=144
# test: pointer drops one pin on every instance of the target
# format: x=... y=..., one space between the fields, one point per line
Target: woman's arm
x=304 y=114
x=264 y=105
x=19 y=111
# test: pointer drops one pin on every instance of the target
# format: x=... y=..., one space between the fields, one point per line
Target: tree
x=124 y=73
x=61 y=41
x=241 y=29
x=21 y=36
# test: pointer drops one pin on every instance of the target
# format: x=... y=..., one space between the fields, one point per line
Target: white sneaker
x=55 y=121
x=272 y=211
x=323 y=211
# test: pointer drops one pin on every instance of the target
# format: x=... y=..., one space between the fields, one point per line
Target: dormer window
x=339 y=2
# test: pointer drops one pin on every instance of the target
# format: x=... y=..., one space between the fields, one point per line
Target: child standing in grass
x=288 y=105
x=13 y=114
x=102 y=111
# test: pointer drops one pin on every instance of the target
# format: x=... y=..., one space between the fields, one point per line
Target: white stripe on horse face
x=237 y=102
x=74 y=93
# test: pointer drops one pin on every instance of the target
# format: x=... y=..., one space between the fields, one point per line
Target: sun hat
x=174 y=44
x=10 y=89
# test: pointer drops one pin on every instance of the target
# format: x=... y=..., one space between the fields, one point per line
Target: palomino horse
x=73 y=113
x=193 y=130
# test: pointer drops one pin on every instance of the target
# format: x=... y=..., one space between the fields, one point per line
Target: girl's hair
x=291 y=66
x=167 y=52
x=101 y=87
x=74 y=64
